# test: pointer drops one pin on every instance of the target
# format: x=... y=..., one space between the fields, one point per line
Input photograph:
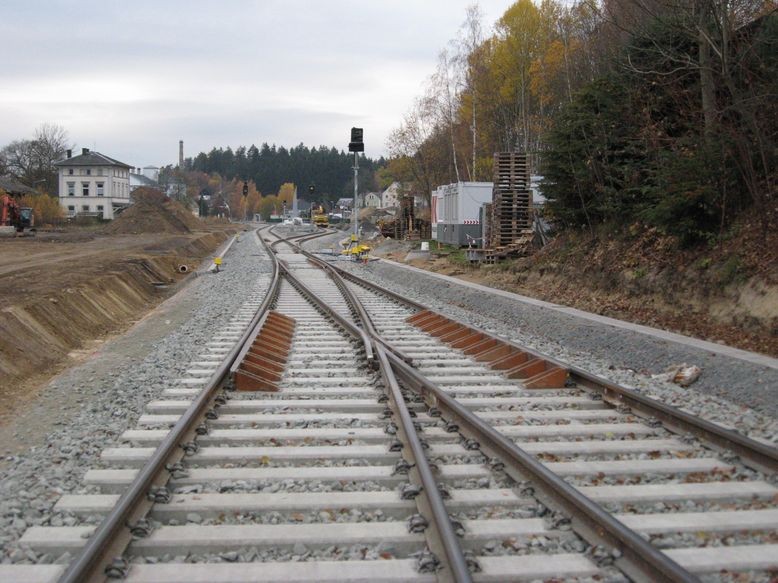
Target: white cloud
x=134 y=78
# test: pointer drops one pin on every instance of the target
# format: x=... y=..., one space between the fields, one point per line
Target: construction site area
x=65 y=290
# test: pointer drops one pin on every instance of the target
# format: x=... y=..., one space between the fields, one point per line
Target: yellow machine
x=358 y=251
x=319 y=216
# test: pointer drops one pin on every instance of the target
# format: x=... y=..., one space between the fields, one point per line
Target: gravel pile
x=732 y=392
x=107 y=404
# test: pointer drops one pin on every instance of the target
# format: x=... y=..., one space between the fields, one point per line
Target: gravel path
x=85 y=409
x=731 y=392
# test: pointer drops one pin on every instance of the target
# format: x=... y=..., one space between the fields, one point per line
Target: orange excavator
x=12 y=214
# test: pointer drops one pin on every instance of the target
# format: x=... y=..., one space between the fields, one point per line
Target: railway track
x=402 y=446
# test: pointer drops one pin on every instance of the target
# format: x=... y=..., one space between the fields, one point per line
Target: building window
x=100 y=189
x=71 y=209
x=100 y=207
x=70 y=171
x=85 y=188
x=71 y=188
x=85 y=208
x=88 y=171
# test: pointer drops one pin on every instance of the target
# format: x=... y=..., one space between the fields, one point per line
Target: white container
x=425 y=245
x=455 y=211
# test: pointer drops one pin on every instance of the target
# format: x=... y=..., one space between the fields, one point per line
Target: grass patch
x=459 y=257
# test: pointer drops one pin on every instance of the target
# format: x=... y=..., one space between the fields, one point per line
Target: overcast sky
x=132 y=78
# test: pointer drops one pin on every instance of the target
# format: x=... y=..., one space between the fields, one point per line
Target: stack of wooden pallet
x=404 y=219
x=511 y=200
x=407 y=226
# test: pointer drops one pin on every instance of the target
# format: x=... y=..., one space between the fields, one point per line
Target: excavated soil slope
x=60 y=293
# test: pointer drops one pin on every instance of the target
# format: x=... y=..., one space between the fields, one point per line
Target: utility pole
x=245 y=198
x=356 y=145
x=355 y=211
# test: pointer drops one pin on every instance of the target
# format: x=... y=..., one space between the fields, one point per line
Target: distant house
x=93 y=184
x=147 y=176
x=391 y=196
x=137 y=179
x=344 y=203
x=370 y=200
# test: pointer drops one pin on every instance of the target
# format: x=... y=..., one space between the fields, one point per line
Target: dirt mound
x=153 y=212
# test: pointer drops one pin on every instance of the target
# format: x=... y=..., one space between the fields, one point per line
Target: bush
x=46 y=208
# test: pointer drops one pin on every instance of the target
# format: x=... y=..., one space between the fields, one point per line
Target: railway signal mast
x=356 y=145
x=245 y=196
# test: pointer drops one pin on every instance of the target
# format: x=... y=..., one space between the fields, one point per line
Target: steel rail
x=355 y=305
x=454 y=558
x=445 y=534
x=302 y=237
x=350 y=327
x=92 y=560
x=753 y=453
x=638 y=557
x=335 y=275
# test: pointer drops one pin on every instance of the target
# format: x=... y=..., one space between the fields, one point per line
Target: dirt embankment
x=61 y=292
x=726 y=292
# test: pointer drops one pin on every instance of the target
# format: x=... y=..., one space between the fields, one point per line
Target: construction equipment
x=12 y=214
x=319 y=216
x=353 y=248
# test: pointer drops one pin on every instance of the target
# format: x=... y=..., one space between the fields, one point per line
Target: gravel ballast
x=86 y=409
x=733 y=392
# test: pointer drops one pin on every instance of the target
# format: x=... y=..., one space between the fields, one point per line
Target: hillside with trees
x=659 y=111
x=268 y=167
x=653 y=123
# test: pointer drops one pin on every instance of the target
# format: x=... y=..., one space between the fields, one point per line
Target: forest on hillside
x=653 y=112
x=268 y=167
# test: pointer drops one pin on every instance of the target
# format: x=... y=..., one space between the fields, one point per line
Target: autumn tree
x=243 y=207
x=46 y=209
x=269 y=205
x=286 y=194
